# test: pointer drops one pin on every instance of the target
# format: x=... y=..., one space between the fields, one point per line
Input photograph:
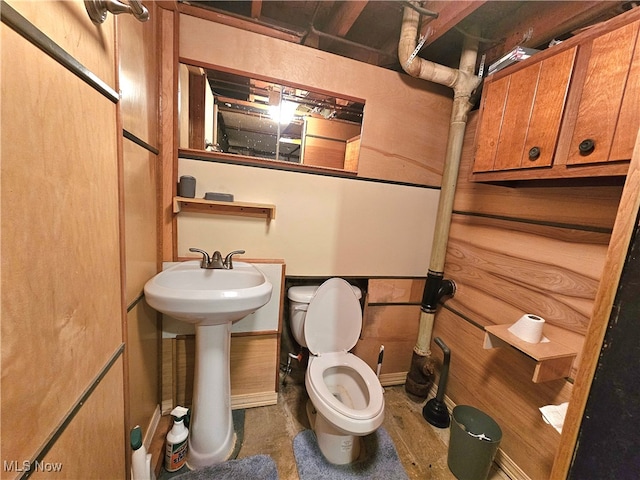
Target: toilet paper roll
x=528 y=328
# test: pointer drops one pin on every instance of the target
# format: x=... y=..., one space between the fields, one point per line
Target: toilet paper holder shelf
x=553 y=360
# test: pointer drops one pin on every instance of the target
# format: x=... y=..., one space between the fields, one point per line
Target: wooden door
x=515 y=120
x=629 y=118
x=61 y=343
x=494 y=98
x=549 y=105
x=602 y=94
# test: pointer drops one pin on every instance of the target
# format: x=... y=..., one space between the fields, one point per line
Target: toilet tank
x=299 y=298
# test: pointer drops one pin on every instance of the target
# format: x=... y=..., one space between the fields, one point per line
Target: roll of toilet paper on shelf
x=528 y=328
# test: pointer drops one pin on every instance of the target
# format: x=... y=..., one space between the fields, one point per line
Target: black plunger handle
x=444 y=374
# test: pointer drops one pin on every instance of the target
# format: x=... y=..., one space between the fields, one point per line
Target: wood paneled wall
x=138 y=72
x=253 y=369
x=79 y=239
x=403 y=140
x=62 y=309
x=391 y=318
x=406 y=120
x=525 y=248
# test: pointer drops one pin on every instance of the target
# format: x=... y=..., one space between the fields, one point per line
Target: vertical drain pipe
x=463 y=82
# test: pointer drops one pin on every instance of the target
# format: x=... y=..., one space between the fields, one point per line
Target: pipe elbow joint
x=436 y=288
x=465 y=85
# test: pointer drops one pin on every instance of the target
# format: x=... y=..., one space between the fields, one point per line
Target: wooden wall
x=391 y=318
x=525 y=248
x=253 y=369
x=62 y=309
x=406 y=120
x=403 y=140
x=79 y=240
x=324 y=142
x=138 y=71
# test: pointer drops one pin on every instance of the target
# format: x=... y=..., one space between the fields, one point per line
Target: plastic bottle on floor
x=140 y=459
x=176 y=449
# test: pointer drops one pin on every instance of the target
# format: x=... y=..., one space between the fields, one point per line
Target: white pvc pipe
x=463 y=82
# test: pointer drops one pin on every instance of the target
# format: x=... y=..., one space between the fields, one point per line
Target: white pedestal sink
x=212 y=299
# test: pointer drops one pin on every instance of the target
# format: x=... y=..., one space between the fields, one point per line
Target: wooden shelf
x=245 y=209
x=553 y=360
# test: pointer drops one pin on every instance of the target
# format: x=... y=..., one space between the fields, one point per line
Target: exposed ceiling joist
x=256 y=8
x=344 y=17
x=450 y=14
x=369 y=31
x=531 y=26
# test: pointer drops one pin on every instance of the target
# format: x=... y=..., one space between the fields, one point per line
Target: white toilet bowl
x=345 y=393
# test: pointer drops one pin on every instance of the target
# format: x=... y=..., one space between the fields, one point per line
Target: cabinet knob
x=534 y=153
x=587 y=147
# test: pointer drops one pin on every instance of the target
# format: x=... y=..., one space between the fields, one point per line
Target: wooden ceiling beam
x=533 y=25
x=256 y=8
x=344 y=18
x=240 y=23
x=450 y=14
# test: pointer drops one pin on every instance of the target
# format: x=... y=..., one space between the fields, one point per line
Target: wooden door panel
x=629 y=119
x=68 y=25
x=495 y=96
x=61 y=317
x=550 y=99
x=515 y=121
x=602 y=94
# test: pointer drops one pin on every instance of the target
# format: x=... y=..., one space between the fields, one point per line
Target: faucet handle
x=228 y=260
x=206 y=260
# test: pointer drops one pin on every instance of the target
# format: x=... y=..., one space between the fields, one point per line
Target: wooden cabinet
x=522 y=113
x=571 y=111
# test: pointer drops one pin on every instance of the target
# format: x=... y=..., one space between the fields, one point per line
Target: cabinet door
x=521 y=115
x=494 y=97
x=548 y=108
x=629 y=119
x=602 y=93
x=515 y=120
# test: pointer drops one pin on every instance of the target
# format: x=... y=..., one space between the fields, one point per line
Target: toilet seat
x=315 y=383
x=334 y=318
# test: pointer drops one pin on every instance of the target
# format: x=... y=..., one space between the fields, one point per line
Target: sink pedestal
x=211 y=434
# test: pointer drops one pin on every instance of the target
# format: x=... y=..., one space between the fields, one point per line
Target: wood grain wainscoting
x=391 y=317
x=514 y=249
x=254 y=363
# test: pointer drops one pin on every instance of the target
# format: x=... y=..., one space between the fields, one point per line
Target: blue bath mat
x=256 y=467
x=380 y=460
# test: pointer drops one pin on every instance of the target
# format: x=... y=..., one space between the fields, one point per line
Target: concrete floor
x=421 y=447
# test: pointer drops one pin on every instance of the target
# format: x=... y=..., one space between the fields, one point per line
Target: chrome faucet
x=228 y=260
x=215 y=260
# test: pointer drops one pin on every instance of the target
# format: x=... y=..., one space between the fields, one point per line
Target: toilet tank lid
x=304 y=293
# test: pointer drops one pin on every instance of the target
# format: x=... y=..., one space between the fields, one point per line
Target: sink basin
x=212 y=300
x=208 y=297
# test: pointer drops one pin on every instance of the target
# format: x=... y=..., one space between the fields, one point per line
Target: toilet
x=345 y=396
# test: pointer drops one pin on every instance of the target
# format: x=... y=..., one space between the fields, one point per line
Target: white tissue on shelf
x=554 y=415
x=529 y=329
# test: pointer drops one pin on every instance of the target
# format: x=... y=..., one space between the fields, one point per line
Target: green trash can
x=473 y=443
